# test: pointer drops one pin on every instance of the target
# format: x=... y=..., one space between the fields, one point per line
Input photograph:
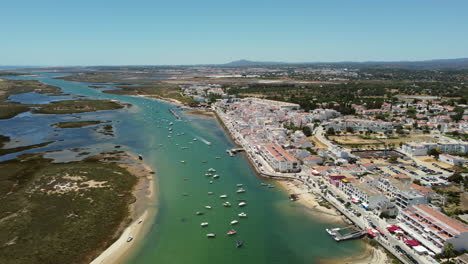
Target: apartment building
x=421 y=148
x=400 y=191
x=279 y=159
x=433 y=228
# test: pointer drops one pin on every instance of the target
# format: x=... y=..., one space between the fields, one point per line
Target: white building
x=452 y=160
x=421 y=148
x=278 y=158
x=433 y=228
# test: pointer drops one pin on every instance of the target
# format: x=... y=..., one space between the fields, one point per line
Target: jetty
x=345 y=233
x=175 y=113
x=233 y=151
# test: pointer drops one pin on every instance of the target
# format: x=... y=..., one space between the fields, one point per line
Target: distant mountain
x=247 y=63
x=457 y=64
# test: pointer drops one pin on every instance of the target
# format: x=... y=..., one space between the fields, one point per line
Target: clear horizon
x=57 y=33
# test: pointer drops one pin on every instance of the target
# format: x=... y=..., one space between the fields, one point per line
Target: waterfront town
x=401 y=180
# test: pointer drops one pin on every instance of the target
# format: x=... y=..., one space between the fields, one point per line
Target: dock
x=174 y=113
x=233 y=151
x=345 y=233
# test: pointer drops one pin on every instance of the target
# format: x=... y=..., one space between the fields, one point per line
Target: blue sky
x=102 y=32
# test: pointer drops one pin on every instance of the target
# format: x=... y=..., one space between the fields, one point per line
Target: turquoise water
x=276 y=230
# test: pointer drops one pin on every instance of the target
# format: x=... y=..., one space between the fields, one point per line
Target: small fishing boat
x=242 y=204
x=199 y=213
x=208 y=174
x=223 y=196
x=208 y=207
x=242 y=214
x=271 y=186
x=182 y=161
x=195 y=139
x=211 y=182
x=239 y=243
x=239 y=185
x=240 y=190
x=263 y=184
x=227 y=204
x=232 y=232
x=233 y=222
x=204 y=224
x=211 y=235
x=169 y=136
x=140 y=157
x=130 y=238
x=211 y=170
x=218 y=157
x=204 y=161
x=216 y=176
x=210 y=193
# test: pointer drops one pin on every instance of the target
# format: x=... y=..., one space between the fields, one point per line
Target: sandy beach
x=200 y=113
x=309 y=201
x=141 y=212
x=370 y=255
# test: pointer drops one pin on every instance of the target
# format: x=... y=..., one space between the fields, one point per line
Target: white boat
x=182 y=161
x=242 y=214
x=210 y=193
x=169 y=136
x=208 y=207
x=239 y=185
x=211 y=170
x=130 y=238
x=208 y=174
x=204 y=224
x=218 y=157
x=195 y=139
x=233 y=222
x=227 y=204
x=211 y=182
x=216 y=176
x=240 y=190
x=242 y=204
x=223 y=196
x=211 y=235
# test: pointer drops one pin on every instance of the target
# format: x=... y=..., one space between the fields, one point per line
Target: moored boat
x=240 y=190
x=199 y=213
x=233 y=222
x=242 y=204
x=227 y=204
x=232 y=232
x=208 y=207
x=239 y=243
x=204 y=224
x=242 y=214
x=223 y=196
x=211 y=235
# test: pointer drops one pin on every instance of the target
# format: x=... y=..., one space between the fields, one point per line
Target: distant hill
x=247 y=63
x=458 y=64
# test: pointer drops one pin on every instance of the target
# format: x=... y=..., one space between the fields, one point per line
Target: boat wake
x=203 y=140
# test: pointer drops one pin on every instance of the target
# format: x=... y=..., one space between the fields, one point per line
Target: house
x=313 y=160
x=452 y=160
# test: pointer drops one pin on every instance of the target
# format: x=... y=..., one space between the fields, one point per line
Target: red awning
x=380 y=231
x=370 y=232
x=393 y=228
x=412 y=243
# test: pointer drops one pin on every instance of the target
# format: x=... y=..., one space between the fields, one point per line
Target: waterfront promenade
x=316 y=185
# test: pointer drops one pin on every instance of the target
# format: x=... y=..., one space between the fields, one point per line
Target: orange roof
x=400 y=176
x=443 y=219
x=421 y=189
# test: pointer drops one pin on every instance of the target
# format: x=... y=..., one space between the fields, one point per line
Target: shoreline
x=140 y=213
x=321 y=213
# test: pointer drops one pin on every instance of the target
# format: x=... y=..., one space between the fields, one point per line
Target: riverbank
x=141 y=213
x=310 y=202
x=371 y=255
x=200 y=113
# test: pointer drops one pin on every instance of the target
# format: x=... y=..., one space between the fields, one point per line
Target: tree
x=435 y=152
x=331 y=131
x=349 y=130
x=456 y=177
x=307 y=131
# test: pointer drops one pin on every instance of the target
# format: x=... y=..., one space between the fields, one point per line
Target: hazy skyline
x=210 y=32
